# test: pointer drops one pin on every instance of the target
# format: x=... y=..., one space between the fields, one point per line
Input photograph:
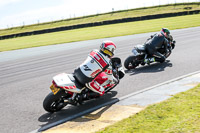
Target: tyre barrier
x=107 y=22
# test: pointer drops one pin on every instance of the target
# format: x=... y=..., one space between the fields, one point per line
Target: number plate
x=54 y=89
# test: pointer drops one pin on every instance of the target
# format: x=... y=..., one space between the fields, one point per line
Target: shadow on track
x=72 y=112
x=152 y=68
x=90 y=117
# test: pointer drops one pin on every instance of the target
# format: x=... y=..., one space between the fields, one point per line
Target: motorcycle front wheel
x=130 y=62
x=167 y=55
x=53 y=103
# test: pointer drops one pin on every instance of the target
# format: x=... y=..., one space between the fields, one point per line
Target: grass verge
x=180 y=114
x=100 y=32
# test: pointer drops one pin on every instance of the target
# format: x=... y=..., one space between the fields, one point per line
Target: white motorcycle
x=65 y=88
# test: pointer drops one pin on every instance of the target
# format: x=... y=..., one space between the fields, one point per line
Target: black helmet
x=165 y=32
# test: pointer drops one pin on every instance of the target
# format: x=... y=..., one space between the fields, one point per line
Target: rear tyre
x=53 y=103
x=130 y=63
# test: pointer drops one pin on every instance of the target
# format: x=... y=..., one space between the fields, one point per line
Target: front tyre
x=53 y=103
x=130 y=62
x=168 y=54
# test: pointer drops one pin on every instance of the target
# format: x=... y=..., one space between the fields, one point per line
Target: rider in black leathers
x=157 y=41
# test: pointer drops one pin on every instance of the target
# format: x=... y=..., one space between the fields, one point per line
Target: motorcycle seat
x=77 y=84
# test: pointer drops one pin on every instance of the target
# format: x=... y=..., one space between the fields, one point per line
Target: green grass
x=100 y=32
x=179 y=114
x=106 y=16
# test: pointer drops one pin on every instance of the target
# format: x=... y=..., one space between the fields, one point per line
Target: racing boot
x=149 y=60
x=146 y=61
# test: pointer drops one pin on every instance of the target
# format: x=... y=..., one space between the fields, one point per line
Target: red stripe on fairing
x=98 y=58
x=69 y=87
x=66 y=88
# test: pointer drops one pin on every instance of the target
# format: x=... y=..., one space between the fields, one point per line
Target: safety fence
x=107 y=22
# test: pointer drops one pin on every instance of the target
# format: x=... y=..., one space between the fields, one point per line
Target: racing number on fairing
x=86 y=68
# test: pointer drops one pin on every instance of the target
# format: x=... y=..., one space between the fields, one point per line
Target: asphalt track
x=25 y=76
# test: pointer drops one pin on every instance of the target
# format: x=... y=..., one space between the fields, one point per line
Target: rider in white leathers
x=96 y=71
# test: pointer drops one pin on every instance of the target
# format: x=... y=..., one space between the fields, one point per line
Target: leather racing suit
x=95 y=72
x=157 y=41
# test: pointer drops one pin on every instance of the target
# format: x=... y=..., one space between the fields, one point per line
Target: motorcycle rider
x=157 y=41
x=96 y=71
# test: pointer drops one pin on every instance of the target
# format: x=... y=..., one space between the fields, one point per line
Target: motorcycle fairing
x=64 y=81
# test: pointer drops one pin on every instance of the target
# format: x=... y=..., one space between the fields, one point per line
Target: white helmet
x=108 y=48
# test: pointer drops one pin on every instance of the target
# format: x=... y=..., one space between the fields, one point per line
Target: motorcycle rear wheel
x=53 y=103
x=130 y=62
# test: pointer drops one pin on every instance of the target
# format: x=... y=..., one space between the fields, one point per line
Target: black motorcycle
x=140 y=54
